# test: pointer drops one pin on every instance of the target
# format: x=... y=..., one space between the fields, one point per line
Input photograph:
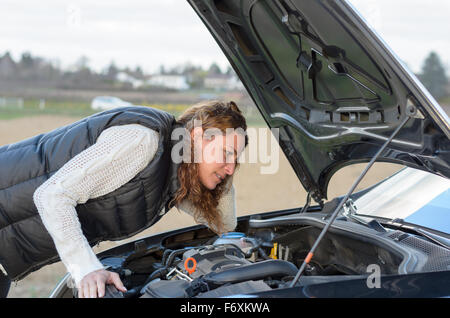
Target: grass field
x=35 y=107
x=61 y=105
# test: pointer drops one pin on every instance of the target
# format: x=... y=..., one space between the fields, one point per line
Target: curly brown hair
x=212 y=114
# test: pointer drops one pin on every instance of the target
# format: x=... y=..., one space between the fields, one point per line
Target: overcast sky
x=154 y=32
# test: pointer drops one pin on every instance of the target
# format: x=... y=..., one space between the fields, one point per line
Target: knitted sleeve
x=118 y=155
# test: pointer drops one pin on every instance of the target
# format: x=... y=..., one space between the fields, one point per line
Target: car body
x=337 y=93
x=108 y=102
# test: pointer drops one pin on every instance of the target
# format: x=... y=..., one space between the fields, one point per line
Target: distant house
x=222 y=82
x=178 y=82
x=127 y=78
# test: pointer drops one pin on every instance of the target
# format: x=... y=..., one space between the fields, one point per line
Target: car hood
x=332 y=87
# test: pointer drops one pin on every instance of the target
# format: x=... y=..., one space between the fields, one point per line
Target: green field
x=37 y=107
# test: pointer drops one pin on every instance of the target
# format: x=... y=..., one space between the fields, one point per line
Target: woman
x=108 y=177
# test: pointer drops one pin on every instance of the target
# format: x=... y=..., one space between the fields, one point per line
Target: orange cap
x=190 y=265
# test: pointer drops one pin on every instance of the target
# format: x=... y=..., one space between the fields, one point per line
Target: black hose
x=269 y=268
x=256 y=247
x=175 y=253
x=156 y=274
x=167 y=251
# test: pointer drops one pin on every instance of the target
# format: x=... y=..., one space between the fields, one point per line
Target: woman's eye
x=229 y=156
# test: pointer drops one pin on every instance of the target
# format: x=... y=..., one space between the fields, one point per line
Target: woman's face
x=219 y=157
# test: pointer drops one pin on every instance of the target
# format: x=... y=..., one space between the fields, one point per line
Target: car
x=108 y=102
x=338 y=95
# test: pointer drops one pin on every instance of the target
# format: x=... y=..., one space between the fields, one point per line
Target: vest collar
x=172 y=178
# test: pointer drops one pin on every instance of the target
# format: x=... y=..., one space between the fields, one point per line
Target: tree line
x=34 y=71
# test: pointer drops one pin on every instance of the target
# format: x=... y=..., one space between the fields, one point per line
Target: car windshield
x=417 y=197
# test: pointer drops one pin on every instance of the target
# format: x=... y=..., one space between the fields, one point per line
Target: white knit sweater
x=118 y=155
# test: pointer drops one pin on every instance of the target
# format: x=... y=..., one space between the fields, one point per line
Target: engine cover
x=213 y=258
x=218 y=271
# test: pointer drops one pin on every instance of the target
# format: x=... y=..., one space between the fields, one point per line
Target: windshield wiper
x=350 y=212
x=411 y=111
x=438 y=239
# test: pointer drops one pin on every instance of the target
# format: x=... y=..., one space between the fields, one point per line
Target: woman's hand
x=93 y=284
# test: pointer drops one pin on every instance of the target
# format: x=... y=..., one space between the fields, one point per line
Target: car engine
x=265 y=257
x=232 y=264
x=219 y=271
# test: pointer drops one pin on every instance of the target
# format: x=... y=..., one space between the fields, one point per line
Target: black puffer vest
x=25 y=244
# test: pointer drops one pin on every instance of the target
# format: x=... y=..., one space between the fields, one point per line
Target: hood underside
x=316 y=71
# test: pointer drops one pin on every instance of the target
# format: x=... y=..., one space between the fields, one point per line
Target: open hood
x=320 y=74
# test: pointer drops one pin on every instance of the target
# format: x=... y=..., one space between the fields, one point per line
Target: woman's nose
x=229 y=168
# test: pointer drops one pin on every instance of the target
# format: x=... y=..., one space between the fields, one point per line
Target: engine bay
x=265 y=257
x=227 y=265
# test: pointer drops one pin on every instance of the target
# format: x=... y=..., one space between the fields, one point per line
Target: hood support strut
x=410 y=112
